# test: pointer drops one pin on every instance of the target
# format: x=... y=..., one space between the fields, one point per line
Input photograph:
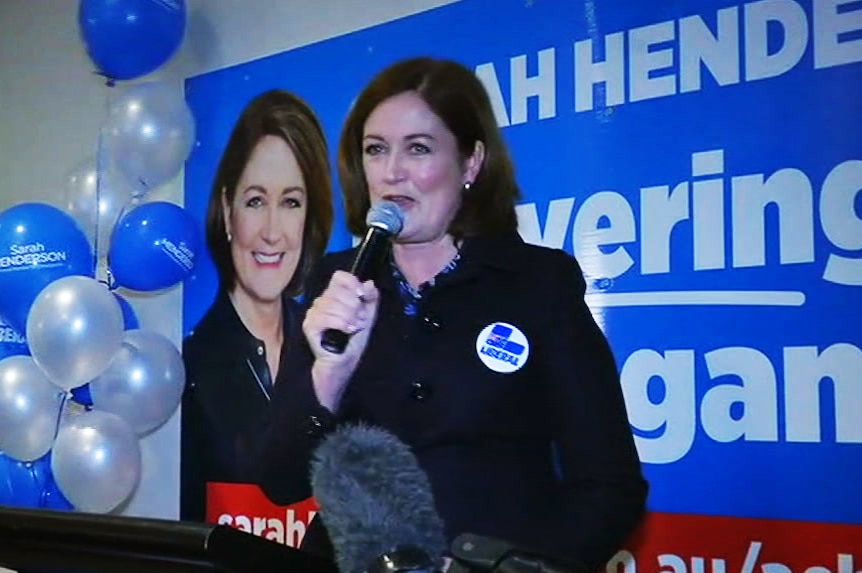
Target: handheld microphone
x=384 y=220
x=376 y=503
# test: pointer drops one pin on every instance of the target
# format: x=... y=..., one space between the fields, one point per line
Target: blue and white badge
x=502 y=347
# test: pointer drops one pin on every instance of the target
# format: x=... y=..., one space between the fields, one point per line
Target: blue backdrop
x=703 y=161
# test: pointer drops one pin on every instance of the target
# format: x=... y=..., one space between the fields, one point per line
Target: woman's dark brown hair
x=457 y=96
x=281 y=114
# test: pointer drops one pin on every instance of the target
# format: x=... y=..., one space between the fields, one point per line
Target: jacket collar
x=225 y=313
x=498 y=252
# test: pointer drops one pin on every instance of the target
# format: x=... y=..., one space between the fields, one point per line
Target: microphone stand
x=477 y=554
x=472 y=554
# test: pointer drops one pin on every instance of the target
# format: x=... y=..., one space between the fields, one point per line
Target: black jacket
x=542 y=457
x=227 y=393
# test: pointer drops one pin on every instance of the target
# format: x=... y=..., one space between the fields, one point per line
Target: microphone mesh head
x=386 y=215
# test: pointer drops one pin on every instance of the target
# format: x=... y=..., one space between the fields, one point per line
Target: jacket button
x=420 y=391
x=315 y=426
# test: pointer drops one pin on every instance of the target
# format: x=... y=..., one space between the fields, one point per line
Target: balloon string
x=109 y=81
x=96 y=245
x=61 y=412
x=109 y=281
x=101 y=165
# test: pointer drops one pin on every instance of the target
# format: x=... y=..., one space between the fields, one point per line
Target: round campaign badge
x=502 y=347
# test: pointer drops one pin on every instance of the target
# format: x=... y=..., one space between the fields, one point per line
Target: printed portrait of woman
x=268 y=221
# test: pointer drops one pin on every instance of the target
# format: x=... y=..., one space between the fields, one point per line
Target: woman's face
x=265 y=220
x=410 y=157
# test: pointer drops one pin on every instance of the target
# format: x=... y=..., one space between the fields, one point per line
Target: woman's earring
x=467 y=185
x=229 y=237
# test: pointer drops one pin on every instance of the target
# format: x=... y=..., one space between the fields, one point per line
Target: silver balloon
x=96 y=461
x=149 y=133
x=81 y=186
x=29 y=409
x=144 y=383
x=74 y=329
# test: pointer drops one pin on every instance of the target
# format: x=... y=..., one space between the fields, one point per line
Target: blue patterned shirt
x=410 y=296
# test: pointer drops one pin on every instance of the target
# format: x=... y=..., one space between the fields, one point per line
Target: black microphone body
x=384 y=223
x=372 y=249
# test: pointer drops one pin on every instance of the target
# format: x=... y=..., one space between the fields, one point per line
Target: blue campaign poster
x=703 y=162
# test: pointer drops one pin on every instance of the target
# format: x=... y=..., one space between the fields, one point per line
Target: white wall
x=51 y=107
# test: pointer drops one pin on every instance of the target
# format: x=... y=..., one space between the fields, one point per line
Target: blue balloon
x=41 y=469
x=12 y=342
x=53 y=498
x=50 y=495
x=82 y=396
x=19 y=486
x=127 y=39
x=130 y=319
x=153 y=247
x=39 y=244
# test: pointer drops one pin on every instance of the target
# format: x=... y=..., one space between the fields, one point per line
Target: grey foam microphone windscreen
x=374 y=498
